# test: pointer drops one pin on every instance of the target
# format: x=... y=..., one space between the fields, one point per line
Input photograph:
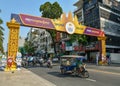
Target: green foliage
x=1 y=21
x=1 y=36
x=82 y=39
x=52 y=11
x=28 y=47
x=49 y=10
x=22 y=50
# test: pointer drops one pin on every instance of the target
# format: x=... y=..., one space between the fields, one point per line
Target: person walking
x=108 y=59
x=97 y=58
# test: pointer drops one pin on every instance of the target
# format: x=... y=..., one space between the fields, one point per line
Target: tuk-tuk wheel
x=62 y=71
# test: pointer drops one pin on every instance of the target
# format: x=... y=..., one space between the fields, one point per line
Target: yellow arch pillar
x=12 y=42
x=103 y=49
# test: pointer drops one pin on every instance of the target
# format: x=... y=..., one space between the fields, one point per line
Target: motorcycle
x=49 y=64
x=41 y=62
x=82 y=72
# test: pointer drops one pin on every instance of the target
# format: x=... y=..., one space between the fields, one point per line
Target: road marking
x=91 y=80
x=104 y=71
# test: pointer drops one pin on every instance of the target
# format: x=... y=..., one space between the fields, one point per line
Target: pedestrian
x=97 y=58
x=108 y=59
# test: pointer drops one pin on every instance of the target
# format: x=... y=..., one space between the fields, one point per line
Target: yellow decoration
x=13 y=42
x=103 y=45
x=13 y=20
x=61 y=23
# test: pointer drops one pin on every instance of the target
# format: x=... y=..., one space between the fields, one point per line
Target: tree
x=28 y=47
x=82 y=39
x=1 y=36
x=49 y=10
x=52 y=11
x=22 y=50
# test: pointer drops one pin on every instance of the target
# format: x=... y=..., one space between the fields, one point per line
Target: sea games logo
x=70 y=28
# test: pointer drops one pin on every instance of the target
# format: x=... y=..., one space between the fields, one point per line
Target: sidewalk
x=113 y=68
x=22 y=78
x=25 y=77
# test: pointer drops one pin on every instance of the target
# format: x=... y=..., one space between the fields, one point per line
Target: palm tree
x=1 y=36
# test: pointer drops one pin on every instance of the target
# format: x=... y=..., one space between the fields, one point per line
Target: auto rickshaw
x=68 y=65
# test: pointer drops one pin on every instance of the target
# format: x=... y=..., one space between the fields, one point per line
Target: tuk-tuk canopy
x=73 y=56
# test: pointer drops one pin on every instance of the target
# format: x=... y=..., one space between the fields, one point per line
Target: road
x=97 y=78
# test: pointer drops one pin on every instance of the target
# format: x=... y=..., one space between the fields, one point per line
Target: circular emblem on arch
x=70 y=28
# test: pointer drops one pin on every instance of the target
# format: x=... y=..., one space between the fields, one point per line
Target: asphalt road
x=96 y=78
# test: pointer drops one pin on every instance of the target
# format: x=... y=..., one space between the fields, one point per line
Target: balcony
x=78 y=10
x=78 y=3
x=110 y=8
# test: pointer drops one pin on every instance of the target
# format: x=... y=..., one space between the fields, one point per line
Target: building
x=41 y=41
x=21 y=41
x=104 y=15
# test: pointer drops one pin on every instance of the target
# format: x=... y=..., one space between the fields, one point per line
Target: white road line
x=91 y=80
x=103 y=71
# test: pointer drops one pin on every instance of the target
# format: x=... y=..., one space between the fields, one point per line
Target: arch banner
x=64 y=24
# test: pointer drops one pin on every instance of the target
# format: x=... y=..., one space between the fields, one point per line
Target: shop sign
x=93 y=32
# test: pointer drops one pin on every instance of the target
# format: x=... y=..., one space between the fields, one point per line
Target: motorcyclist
x=49 y=63
x=41 y=61
x=80 y=69
x=79 y=64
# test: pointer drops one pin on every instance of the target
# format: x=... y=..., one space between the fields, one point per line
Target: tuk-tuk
x=68 y=64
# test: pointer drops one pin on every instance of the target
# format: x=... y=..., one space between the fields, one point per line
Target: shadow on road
x=58 y=74
x=36 y=66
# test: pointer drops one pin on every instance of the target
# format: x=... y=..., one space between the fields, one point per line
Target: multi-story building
x=21 y=41
x=41 y=41
x=104 y=15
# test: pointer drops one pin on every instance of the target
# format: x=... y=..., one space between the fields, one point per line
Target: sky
x=30 y=7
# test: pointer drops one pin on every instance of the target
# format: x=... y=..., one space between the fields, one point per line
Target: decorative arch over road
x=67 y=24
